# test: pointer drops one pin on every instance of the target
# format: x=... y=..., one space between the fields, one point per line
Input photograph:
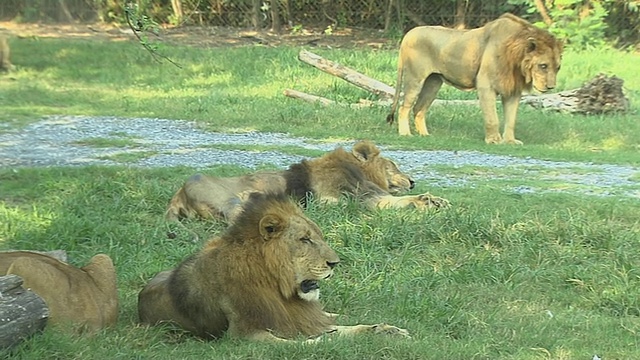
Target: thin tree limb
x=543 y=12
x=135 y=29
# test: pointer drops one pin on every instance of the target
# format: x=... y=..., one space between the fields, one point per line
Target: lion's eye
x=306 y=240
x=543 y=66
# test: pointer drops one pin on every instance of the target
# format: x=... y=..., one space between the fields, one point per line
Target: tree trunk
x=543 y=12
x=460 y=15
x=402 y=11
x=256 y=17
x=64 y=14
x=176 y=5
x=22 y=312
x=387 y=16
x=275 y=16
x=585 y=10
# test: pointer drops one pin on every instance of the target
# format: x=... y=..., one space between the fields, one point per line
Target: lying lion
x=362 y=173
x=504 y=57
x=259 y=280
x=85 y=298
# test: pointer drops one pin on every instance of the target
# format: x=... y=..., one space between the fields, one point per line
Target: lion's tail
x=396 y=95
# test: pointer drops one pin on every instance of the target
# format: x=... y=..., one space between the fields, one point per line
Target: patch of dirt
x=207 y=36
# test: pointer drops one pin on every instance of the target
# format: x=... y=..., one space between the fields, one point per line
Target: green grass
x=496 y=276
x=499 y=275
x=291 y=150
x=100 y=142
x=231 y=89
x=129 y=156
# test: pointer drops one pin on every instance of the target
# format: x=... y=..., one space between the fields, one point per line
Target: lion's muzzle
x=309 y=285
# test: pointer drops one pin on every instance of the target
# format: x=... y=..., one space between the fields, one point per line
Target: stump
x=22 y=312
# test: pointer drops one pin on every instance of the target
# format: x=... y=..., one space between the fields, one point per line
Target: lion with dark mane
x=505 y=57
x=362 y=173
x=259 y=280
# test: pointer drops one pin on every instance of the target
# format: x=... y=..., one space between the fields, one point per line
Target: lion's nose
x=332 y=264
x=411 y=184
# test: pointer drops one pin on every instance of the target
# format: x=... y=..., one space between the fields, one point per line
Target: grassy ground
x=241 y=88
x=498 y=276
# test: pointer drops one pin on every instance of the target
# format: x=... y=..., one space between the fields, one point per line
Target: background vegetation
x=583 y=23
x=500 y=275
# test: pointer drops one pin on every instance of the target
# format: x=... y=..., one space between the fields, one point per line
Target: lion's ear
x=270 y=226
x=531 y=44
x=365 y=150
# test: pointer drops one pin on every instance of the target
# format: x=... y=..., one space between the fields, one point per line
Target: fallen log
x=602 y=94
x=358 y=79
x=308 y=97
x=22 y=312
x=295 y=94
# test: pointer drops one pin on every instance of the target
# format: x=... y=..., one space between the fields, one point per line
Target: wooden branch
x=295 y=94
x=22 y=312
x=308 y=97
x=326 y=102
x=372 y=85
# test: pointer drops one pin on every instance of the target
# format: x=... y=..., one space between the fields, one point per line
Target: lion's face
x=542 y=65
x=380 y=170
x=299 y=240
x=397 y=180
x=313 y=259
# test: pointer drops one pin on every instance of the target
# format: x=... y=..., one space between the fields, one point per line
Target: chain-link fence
x=618 y=20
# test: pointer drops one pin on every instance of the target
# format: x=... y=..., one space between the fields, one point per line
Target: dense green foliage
x=589 y=24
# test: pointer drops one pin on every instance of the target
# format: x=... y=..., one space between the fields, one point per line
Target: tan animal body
x=505 y=57
x=5 y=63
x=258 y=280
x=363 y=173
x=85 y=298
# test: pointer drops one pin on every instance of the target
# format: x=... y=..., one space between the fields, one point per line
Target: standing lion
x=5 y=64
x=505 y=57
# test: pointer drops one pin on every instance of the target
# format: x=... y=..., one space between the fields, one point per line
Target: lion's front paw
x=387 y=329
x=512 y=141
x=430 y=201
x=493 y=139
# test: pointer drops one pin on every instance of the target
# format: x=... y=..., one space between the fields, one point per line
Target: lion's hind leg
x=430 y=89
x=412 y=88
